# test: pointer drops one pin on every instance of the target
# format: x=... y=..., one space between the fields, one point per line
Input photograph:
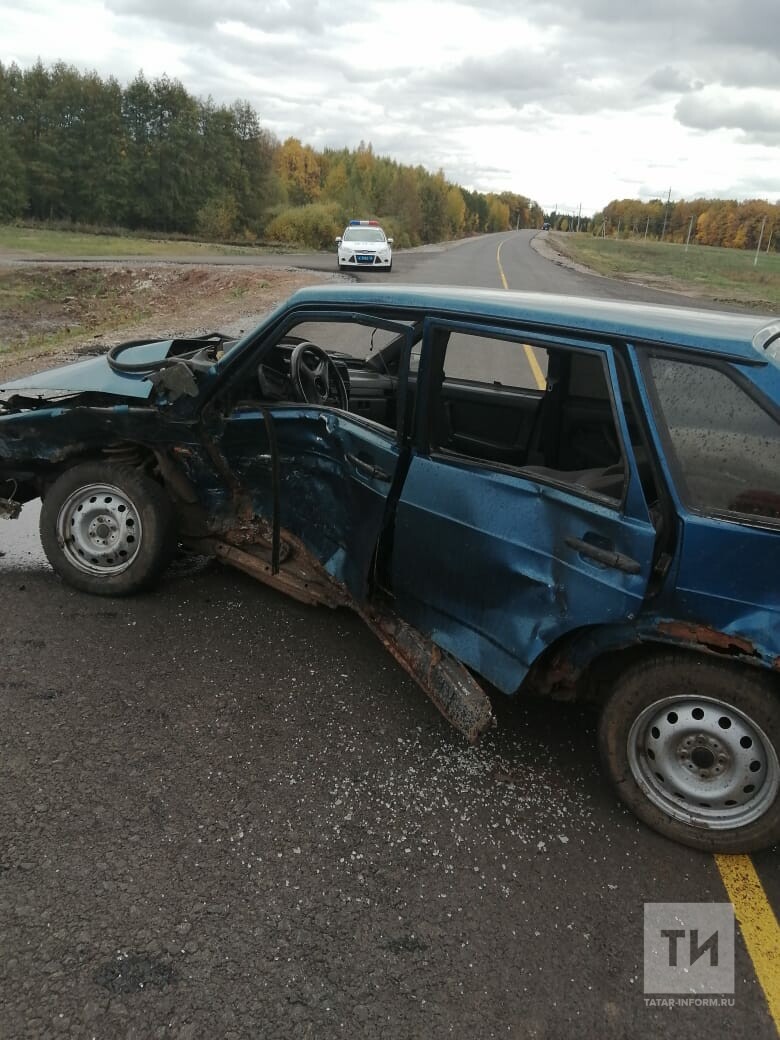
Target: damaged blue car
x=518 y=493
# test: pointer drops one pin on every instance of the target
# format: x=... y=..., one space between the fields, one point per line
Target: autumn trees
x=710 y=222
x=150 y=156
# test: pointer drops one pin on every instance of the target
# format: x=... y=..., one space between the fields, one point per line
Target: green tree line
x=710 y=222
x=149 y=156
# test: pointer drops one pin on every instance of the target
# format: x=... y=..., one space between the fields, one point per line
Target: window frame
x=254 y=352
x=604 y=350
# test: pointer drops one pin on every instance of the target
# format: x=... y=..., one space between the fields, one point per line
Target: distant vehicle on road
x=364 y=244
x=546 y=225
x=551 y=495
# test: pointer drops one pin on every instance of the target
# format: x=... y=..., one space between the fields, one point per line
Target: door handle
x=368 y=469
x=607 y=557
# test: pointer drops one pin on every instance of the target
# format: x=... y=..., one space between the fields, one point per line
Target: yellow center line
x=541 y=382
x=500 y=268
x=533 y=364
x=758 y=924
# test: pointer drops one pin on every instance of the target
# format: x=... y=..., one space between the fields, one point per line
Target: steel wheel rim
x=703 y=762
x=99 y=529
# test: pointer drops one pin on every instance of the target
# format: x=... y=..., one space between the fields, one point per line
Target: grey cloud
x=767 y=138
x=754 y=24
x=522 y=80
x=747 y=69
x=649 y=12
x=701 y=33
x=513 y=73
x=224 y=59
x=220 y=56
x=669 y=80
x=718 y=20
x=605 y=57
x=555 y=11
x=759 y=123
x=305 y=17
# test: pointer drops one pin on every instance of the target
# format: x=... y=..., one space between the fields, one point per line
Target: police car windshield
x=364 y=234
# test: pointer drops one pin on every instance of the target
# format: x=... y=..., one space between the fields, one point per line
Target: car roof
x=719 y=332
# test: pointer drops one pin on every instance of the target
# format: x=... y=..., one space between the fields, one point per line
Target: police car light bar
x=364 y=223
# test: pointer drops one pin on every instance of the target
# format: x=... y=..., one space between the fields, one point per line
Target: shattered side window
x=726 y=446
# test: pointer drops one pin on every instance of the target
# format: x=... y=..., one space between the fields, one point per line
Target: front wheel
x=108 y=530
x=693 y=748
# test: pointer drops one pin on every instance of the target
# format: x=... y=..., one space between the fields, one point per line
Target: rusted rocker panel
x=451 y=686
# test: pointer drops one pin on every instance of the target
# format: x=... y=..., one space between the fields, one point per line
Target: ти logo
x=689 y=948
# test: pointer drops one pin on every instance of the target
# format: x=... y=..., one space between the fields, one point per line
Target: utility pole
x=666 y=213
x=579 y=214
x=647 y=225
x=688 y=239
x=760 y=238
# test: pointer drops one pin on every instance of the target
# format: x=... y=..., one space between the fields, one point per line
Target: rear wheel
x=108 y=530
x=693 y=748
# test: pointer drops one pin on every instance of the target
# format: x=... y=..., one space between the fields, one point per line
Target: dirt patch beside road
x=53 y=313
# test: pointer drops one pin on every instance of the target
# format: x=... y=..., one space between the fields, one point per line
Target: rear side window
x=726 y=445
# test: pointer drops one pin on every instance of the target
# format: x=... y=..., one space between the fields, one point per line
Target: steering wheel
x=312 y=372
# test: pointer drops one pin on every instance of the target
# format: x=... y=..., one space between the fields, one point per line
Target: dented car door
x=496 y=562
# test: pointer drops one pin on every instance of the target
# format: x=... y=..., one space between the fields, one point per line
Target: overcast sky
x=567 y=101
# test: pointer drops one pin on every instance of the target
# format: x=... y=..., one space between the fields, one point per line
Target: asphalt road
x=225 y=815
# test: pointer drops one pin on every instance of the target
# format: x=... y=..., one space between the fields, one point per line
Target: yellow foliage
x=298 y=168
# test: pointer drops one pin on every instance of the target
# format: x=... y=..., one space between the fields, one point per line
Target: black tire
x=713 y=726
x=108 y=530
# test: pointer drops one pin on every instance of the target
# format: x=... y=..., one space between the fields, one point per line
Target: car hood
x=94 y=375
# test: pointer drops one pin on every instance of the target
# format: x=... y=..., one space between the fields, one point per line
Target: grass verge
x=49 y=242
x=725 y=275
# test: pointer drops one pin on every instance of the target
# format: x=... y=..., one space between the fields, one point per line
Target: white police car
x=364 y=244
